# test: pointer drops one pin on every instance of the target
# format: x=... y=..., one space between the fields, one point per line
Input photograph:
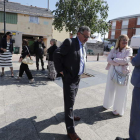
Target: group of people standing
x=69 y=61
x=6 y=51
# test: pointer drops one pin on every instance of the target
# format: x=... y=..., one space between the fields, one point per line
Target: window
x=137 y=31
x=113 y=24
x=10 y=18
x=138 y=21
x=124 y=32
x=34 y=19
x=112 y=34
x=125 y=23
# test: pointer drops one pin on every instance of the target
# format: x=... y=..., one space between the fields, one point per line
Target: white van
x=135 y=43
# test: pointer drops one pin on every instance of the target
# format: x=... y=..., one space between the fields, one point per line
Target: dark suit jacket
x=67 y=59
x=38 y=51
x=135 y=79
x=3 y=45
x=50 y=52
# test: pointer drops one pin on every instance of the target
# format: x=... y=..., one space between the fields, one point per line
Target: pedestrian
x=69 y=61
x=24 y=67
x=134 y=128
x=51 y=69
x=39 y=52
x=6 y=51
x=118 y=61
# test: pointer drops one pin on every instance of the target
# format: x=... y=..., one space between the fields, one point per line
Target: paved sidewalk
x=35 y=111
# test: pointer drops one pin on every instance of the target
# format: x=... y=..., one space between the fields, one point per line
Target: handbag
x=120 y=78
x=27 y=59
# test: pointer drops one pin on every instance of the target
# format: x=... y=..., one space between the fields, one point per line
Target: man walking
x=39 y=52
x=69 y=61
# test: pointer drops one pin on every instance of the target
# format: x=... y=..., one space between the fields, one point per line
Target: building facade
x=129 y=25
x=28 y=22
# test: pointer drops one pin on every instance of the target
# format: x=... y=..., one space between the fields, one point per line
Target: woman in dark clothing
x=24 y=67
x=6 y=50
x=51 y=68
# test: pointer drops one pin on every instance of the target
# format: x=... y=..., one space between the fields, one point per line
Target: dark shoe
x=118 y=138
x=74 y=136
x=76 y=118
x=37 y=69
x=2 y=74
x=43 y=69
x=12 y=75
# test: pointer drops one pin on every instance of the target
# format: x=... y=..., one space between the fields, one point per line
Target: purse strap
x=28 y=52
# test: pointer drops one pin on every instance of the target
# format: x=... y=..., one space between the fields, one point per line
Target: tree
x=72 y=14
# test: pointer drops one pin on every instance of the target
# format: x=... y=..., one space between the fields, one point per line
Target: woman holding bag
x=118 y=61
x=24 y=67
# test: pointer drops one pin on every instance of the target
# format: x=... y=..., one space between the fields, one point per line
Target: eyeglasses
x=85 y=36
x=10 y=35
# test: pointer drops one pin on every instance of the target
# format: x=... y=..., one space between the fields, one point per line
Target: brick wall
x=131 y=28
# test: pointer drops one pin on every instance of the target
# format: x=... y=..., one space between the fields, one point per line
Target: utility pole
x=48 y=5
x=4 y=19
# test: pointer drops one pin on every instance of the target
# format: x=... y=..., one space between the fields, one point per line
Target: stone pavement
x=35 y=111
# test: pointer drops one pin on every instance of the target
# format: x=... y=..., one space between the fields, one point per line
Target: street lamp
x=4 y=17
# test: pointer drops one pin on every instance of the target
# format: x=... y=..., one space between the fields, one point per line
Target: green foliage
x=72 y=14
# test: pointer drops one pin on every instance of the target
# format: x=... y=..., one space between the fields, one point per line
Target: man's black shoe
x=43 y=69
x=118 y=138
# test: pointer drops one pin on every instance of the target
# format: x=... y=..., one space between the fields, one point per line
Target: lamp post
x=5 y=17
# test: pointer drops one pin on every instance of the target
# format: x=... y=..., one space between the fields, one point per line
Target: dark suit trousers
x=134 y=129
x=37 y=61
x=24 y=67
x=70 y=91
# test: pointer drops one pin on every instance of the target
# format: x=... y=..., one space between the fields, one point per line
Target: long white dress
x=116 y=95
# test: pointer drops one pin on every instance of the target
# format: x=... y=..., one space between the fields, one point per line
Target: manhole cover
x=86 y=75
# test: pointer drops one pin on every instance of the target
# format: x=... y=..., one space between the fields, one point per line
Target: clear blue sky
x=117 y=8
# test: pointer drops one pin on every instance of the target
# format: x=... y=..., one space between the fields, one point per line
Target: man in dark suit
x=69 y=61
x=134 y=128
x=39 y=52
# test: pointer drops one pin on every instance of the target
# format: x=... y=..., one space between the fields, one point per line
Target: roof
x=126 y=17
x=13 y=7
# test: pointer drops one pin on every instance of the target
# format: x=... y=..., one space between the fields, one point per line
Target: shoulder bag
x=27 y=59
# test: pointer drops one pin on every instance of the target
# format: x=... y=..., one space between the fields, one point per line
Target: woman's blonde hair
x=54 y=41
x=118 y=41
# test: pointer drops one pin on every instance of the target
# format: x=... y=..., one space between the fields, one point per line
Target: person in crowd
x=134 y=128
x=6 y=51
x=24 y=67
x=39 y=52
x=69 y=61
x=51 y=68
x=118 y=60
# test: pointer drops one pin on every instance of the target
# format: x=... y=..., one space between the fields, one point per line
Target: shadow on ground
x=29 y=129
x=39 y=76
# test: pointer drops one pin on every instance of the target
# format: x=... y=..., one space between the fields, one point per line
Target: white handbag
x=27 y=59
x=120 y=78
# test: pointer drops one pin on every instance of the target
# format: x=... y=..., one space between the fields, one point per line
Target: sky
x=117 y=8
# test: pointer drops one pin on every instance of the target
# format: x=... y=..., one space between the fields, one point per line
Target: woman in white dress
x=118 y=59
x=6 y=50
